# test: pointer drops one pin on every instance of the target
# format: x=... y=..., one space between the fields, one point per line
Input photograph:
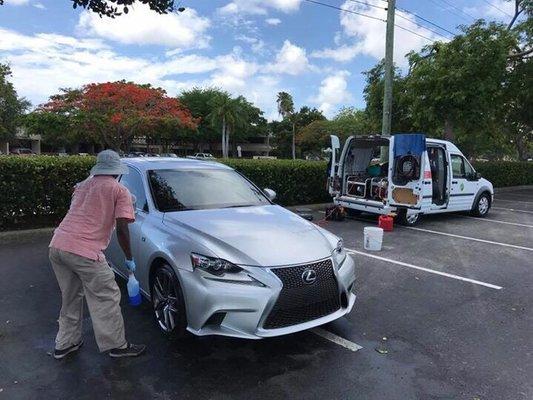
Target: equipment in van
x=419 y=176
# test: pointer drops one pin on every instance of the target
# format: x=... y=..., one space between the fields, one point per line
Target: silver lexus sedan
x=216 y=256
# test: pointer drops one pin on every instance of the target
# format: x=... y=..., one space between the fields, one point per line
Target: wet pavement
x=448 y=305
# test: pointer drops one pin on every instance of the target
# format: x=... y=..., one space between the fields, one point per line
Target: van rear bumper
x=364 y=205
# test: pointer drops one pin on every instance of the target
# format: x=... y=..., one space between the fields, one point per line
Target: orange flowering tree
x=114 y=113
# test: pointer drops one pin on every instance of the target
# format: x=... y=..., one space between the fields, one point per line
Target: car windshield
x=177 y=190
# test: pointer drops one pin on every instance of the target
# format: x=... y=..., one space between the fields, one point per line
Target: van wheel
x=168 y=303
x=407 y=220
x=482 y=206
x=353 y=213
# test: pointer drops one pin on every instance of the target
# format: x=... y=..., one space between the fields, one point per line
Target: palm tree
x=286 y=110
x=229 y=113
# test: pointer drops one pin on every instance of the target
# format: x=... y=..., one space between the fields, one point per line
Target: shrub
x=36 y=191
x=506 y=173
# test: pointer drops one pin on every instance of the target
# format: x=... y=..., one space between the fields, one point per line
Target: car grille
x=300 y=302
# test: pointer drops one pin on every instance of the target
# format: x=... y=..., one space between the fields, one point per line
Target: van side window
x=133 y=181
x=461 y=167
x=458 y=166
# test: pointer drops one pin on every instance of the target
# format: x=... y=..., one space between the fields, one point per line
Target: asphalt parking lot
x=444 y=311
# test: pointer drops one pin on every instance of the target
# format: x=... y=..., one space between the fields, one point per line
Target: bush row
x=34 y=189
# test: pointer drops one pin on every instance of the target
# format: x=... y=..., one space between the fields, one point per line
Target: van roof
x=452 y=148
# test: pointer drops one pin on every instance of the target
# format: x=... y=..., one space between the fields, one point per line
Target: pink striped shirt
x=96 y=203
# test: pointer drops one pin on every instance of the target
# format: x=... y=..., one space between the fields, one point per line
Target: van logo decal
x=462 y=186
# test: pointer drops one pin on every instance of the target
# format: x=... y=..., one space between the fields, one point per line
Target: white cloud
x=39 y=5
x=273 y=21
x=16 y=2
x=259 y=7
x=142 y=26
x=365 y=36
x=44 y=63
x=290 y=59
x=333 y=92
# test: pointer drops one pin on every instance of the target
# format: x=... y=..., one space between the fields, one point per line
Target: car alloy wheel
x=166 y=300
x=483 y=205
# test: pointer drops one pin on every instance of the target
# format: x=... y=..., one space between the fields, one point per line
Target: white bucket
x=373 y=238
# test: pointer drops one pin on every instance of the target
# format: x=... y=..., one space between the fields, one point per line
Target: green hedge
x=35 y=191
x=506 y=173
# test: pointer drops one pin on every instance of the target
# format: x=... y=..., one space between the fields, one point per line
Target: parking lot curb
x=512 y=188
x=24 y=234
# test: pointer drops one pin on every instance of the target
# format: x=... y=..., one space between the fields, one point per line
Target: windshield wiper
x=240 y=205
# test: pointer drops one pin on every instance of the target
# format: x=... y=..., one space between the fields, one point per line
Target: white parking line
x=469 y=238
x=498 y=222
x=336 y=339
x=513 y=209
x=432 y=271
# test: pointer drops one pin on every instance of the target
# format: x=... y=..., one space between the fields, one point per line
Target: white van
x=419 y=176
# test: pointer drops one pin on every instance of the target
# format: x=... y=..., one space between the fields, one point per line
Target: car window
x=176 y=190
x=133 y=181
x=458 y=166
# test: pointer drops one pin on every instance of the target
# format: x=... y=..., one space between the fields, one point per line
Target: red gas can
x=385 y=222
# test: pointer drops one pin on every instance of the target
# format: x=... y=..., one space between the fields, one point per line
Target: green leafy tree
x=12 y=107
x=315 y=137
x=286 y=110
x=228 y=113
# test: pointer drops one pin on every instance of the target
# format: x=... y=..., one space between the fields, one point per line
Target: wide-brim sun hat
x=108 y=163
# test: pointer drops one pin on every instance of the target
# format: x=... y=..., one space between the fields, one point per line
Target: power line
x=456 y=8
x=423 y=19
x=407 y=19
x=425 y=27
x=374 y=18
x=497 y=8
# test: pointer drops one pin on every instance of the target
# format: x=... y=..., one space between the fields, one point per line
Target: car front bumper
x=216 y=307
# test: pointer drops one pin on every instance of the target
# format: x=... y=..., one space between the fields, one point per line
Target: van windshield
x=178 y=190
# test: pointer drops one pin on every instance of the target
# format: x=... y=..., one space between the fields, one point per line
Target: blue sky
x=250 y=47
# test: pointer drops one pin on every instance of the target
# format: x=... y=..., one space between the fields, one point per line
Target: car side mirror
x=475 y=176
x=270 y=194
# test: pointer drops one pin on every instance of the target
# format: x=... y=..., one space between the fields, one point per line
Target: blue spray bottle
x=134 y=291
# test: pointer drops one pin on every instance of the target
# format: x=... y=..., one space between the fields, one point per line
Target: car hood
x=259 y=236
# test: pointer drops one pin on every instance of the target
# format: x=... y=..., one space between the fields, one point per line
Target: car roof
x=154 y=163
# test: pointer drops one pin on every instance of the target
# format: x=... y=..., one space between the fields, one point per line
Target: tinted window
x=175 y=190
x=133 y=181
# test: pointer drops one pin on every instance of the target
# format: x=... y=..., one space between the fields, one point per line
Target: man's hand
x=130 y=264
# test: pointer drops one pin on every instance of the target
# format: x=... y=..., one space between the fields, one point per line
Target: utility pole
x=389 y=76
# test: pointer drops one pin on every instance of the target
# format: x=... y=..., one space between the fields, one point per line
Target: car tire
x=482 y=205
x=407 y=220
x=168 y=302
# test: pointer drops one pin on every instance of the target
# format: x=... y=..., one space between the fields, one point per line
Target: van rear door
x=407 y=158
x=333 y=166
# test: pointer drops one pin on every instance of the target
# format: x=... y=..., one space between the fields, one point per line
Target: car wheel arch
x=481 y=192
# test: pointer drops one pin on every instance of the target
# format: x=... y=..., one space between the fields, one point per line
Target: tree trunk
x=228 y=131
x=448 y=130
x=294 y=141
x=521 y=147
x=223 y=137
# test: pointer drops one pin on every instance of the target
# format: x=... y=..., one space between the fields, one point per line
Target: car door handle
x=454 y=182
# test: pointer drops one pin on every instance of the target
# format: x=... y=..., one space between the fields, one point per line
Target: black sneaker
x=131 y=350
x=59 y=354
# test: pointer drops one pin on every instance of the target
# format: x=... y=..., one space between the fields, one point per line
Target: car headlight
x=215 y=266
x=339 y=254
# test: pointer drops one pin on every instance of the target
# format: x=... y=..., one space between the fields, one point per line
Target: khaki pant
x=78 y=276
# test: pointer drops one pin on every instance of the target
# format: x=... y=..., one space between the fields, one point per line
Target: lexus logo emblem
x=309 y=276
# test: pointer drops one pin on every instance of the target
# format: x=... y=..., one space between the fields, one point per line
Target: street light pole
x=389 y=76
